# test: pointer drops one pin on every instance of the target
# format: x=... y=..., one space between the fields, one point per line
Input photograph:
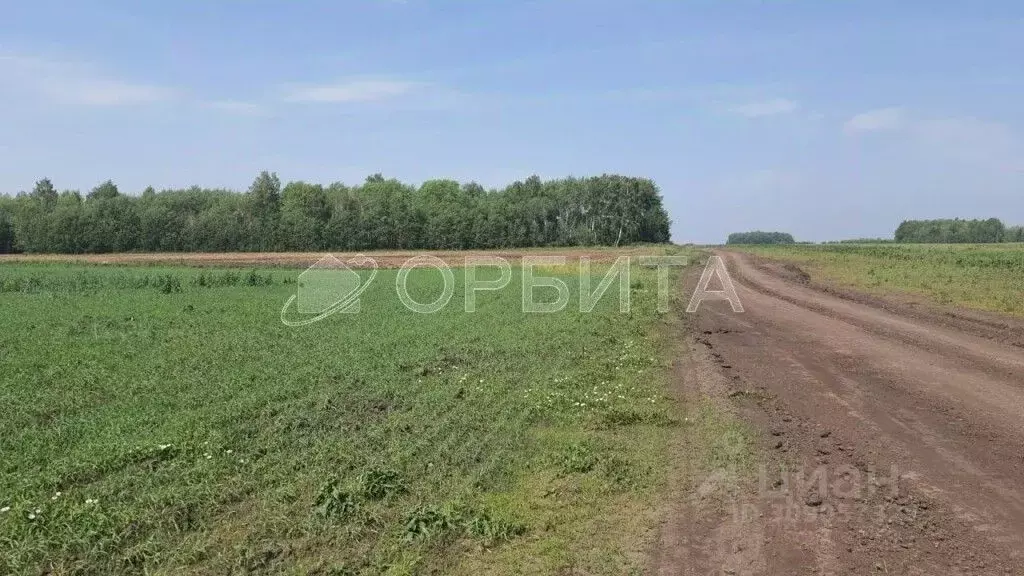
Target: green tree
x=7 y=241
x=950 y=231
x=759 y=237
x=67 y=224
x=223 y=226
x=343 y=228
x=265 y=203
x=45 y=193
x=33 y=218
x=305 y=213
x=104 y=191
x=380 y=213
x=447 y=210
x=109 y=222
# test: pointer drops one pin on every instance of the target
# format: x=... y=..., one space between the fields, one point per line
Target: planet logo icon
x=328 y=287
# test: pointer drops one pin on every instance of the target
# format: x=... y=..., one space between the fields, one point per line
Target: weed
x=623 y=473
x=333 y=501
x=254 y=278
x=428 y=521
x=379 y=483
x=168 y=283
x=492 y=530
x=578 y=459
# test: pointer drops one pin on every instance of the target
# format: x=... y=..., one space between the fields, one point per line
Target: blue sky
x=826 y=119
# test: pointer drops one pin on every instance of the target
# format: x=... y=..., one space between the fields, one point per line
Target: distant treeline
x=379 y=214
x=861 y=241
x=948 y=231
x=759 y=237
x=957 y=231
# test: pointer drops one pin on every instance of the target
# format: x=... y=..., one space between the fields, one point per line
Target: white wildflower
x=5 y=510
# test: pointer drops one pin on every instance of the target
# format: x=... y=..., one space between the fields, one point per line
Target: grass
x=981 y=276
x=163 y=420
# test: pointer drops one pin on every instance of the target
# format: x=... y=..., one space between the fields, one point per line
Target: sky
x=829 y=120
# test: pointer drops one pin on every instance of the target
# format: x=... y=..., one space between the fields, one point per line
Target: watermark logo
x=799 y=496
x=715 y=267
x=425 y=261
x=333 y=286
x=328 y=287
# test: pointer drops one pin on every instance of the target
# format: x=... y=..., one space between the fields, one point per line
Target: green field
x=164 y=421
x=981 y=276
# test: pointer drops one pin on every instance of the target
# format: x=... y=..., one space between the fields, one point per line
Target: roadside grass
x=981 y=276
x=714 y=459
x=162 y=420
x=723 y=442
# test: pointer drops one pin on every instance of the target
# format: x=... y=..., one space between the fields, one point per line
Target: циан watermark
x=800 y=495
x=332 y=286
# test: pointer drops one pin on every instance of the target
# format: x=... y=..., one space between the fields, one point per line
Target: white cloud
x=878 y=120
x=237 y=107
x=767 y=108
x=75 y=83
x=351 y=91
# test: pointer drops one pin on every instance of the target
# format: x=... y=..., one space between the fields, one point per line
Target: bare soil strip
x=891 y=437
x=384 y=259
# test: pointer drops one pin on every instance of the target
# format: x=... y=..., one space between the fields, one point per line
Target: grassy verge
x=163 y=420
x=715 y=456
x=981 y=276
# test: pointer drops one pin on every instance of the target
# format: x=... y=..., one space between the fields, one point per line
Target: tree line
x=958 y=231
x=378 y=214
x=759 y=237
x=943 y=231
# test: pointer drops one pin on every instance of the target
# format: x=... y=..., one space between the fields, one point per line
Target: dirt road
x=902 y=430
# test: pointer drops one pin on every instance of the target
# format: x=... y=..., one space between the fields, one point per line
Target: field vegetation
x=162 y=420
x=982 y=276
